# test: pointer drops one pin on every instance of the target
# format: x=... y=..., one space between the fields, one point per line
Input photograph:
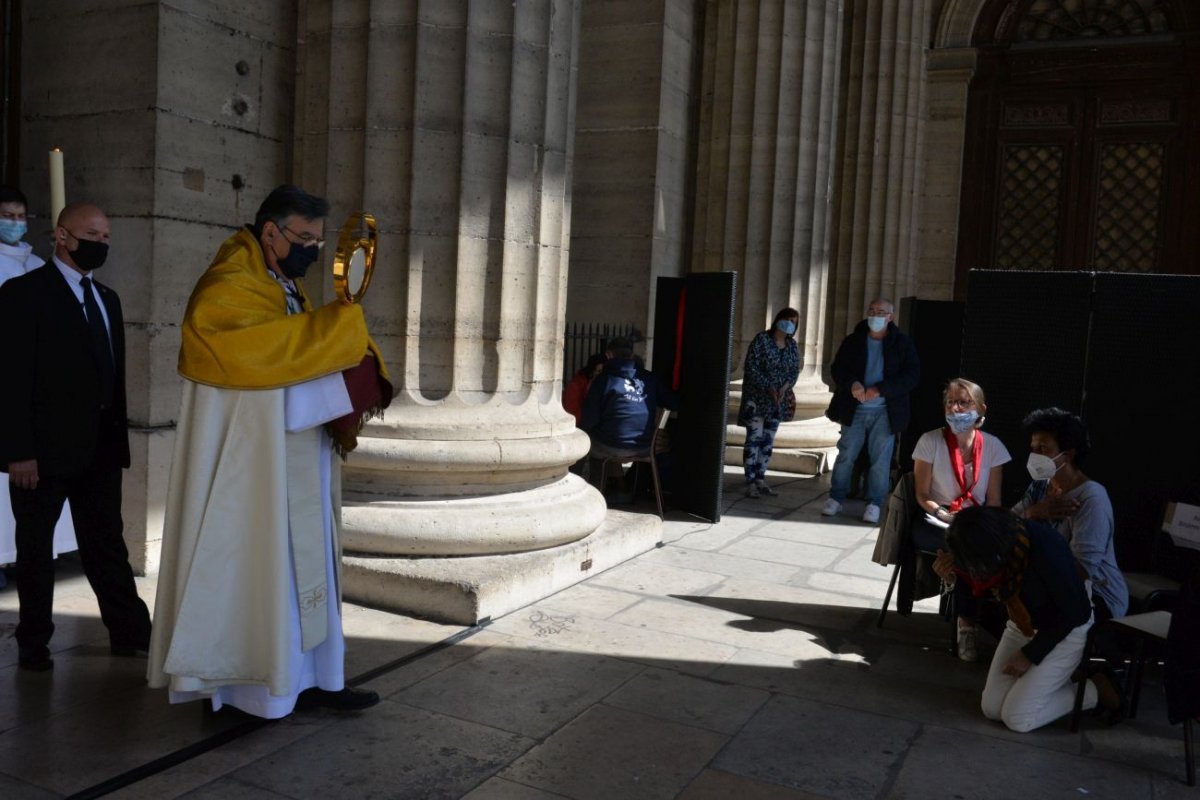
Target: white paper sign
x=1182 y=521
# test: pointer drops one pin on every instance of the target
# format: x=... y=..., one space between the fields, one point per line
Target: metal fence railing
x=582 y=339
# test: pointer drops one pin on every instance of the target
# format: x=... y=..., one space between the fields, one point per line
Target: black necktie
x=100 y=343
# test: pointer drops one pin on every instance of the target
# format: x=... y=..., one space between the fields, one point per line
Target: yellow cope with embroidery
x=237 y=333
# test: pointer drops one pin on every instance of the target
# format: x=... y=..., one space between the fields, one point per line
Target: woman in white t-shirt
x=954 y=467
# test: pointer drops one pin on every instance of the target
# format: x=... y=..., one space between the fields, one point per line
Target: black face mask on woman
x=89 y=255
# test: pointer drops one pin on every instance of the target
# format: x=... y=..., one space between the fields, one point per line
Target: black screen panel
x=1140 y=406
x=935 y=327
x=1025 y=340
x=705 y=356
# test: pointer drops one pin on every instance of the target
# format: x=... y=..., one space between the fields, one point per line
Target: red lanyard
x=956 y=461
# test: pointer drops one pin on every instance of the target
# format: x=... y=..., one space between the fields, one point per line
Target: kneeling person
x=1030 y=569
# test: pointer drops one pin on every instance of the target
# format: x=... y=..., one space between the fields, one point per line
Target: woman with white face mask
x=1077 y=506
x=16 y=255
x=955 y=467
x=771 y=368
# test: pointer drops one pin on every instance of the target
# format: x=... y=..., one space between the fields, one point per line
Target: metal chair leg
x=1077 y=710
x=657 y=485
x=887 y=598
x=1139 y=666
x=1189 y=752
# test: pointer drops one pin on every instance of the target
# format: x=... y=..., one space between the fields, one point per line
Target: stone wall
x=176 y=119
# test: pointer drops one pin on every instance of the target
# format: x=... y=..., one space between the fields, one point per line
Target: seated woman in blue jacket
x=1028 y=566
x=621 y=405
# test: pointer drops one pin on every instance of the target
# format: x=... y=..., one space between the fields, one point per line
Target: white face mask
x=877 y=324
x=1041 y=468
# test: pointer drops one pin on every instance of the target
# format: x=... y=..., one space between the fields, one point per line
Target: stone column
x=764 y=190
x=882 y=149
x=176 y=123
x=452 y=124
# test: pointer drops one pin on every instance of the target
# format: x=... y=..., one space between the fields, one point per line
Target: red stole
x=956 y=462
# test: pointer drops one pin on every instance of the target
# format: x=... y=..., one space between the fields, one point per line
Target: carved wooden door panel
x=1082 y=139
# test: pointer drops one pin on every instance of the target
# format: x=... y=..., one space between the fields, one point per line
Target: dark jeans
x=95 y=497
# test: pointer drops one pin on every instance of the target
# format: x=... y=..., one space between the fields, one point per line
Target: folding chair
x=645 y=456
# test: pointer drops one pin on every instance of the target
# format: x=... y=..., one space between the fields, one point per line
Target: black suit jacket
x=50 y=401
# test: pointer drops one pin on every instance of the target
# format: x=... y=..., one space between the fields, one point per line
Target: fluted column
x=882 y=149
x=451 y=123
x=766 y=154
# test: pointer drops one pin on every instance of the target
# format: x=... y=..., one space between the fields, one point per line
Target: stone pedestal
x=807 y=445
x=453 y=124
x=469 y=589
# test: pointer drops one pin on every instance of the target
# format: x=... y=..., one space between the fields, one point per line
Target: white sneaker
x=830 y=508
x=871 y=514
x=966 y=644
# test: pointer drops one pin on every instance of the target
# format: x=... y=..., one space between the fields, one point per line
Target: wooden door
x=1083 y=142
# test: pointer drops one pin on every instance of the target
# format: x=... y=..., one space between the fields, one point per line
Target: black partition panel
x=1140 y=404
x=935 y=328
x=1025 y=341
x=703 y=357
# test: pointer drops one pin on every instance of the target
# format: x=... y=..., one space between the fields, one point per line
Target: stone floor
x=738 y=660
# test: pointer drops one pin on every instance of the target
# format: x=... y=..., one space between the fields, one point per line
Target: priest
x=248 y=605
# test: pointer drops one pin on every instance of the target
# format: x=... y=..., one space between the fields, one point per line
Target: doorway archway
x=1082 y=138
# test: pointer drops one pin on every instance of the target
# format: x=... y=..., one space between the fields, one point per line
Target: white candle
x=58 y=189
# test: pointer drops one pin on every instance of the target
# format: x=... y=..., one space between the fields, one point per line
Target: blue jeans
x=870 y=427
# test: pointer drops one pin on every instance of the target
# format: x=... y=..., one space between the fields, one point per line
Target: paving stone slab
x=803 y=529
x=995 y=768
x=656 y=758
x=526 y=688
x=816 y=747
x=713 y=784
x=647 y=578
x=210 y=768
x=700 y=620
x=501 y=789
x=586 y=600
x=564 y=631
x=391 y=750
x=723 y=564
x=799 y=554
x=719 y=707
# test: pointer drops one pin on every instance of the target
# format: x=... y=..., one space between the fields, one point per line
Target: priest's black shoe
x=347 y=699
x=36 y=661
x=129 y=650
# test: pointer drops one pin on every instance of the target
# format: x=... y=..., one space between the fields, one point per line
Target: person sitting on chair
x=620 y=409
x=956 y=467
x=1077 y=506
x=1029 y=568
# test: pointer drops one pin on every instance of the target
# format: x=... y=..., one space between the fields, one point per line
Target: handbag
x=787 y=407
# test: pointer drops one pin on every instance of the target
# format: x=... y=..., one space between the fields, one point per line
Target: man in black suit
x=63 y=433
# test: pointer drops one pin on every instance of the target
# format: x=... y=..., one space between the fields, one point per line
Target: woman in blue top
x=1077 y=506
x=771 y=368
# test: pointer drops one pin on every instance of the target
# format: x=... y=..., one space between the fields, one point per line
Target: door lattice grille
x=1128 y=207
x=1052 y=20
x=1027 y=222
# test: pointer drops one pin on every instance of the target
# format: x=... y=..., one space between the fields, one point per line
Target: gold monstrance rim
x=358 y=233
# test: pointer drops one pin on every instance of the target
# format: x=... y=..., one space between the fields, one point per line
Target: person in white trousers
x=1028 y=566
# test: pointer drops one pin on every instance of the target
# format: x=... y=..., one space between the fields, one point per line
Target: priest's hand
x=23 y=474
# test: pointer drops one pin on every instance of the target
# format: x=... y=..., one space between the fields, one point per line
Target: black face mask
x=89 y=255
x=297 y=261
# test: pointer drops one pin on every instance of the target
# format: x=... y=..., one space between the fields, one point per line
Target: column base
x=467 y=589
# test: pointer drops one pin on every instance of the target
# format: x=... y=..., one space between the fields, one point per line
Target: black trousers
x=95 y=497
